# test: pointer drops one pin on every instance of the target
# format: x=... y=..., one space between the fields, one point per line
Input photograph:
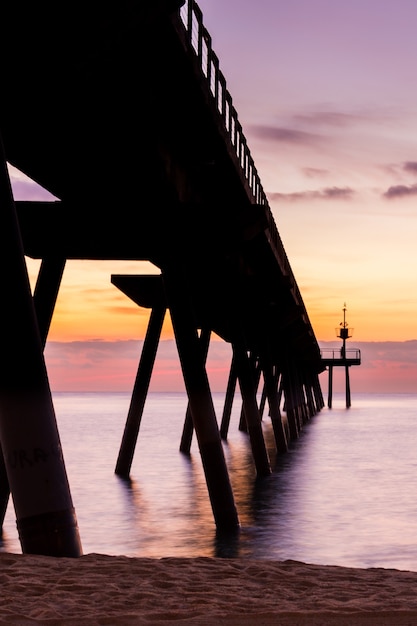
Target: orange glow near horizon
x=90 y=307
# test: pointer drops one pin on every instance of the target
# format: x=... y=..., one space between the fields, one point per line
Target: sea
x=344 y=494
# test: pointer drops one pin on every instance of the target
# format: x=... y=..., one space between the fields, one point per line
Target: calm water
x=346 y=493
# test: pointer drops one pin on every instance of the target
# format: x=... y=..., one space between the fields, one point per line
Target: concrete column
x=29 y=436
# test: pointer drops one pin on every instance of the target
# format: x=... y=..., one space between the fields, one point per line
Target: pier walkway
x=123 y=114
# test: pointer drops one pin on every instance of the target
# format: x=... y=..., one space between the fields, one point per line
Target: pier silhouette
x=123 y=114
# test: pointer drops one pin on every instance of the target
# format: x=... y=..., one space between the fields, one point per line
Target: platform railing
x=335 y=354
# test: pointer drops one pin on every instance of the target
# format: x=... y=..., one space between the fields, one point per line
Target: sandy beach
x=103 y=590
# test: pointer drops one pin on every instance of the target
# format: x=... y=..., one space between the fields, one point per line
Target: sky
x=326 y=93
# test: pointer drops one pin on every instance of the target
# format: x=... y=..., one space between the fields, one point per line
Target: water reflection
x=343 y=494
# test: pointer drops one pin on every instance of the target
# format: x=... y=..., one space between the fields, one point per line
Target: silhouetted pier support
x=347 y=386
x=330 y=387
x=200 y=399
x=187 y=433
x=274 y=408
x=250 y=407
x=290 y=403
x=299 y=383
x=29 y=436
x=228 y=402
x=44 y=299
x=4 y=490
x=140 y=391
x=344 y=363
x=46 y=293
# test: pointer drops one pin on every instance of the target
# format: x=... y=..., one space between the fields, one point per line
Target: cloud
x=286 y=135
x=328 y=193
x=410 y=166
x=314 y=172
x=400 y=191
x=99 y=365
x=330 y=118
x=387 y=366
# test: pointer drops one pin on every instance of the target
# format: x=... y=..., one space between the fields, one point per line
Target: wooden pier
x=123 y=114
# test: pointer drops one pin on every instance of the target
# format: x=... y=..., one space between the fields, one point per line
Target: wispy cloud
x=400 y=191
x=286 y=135
x=314 y=172
x=328 y=193
x=330 y=118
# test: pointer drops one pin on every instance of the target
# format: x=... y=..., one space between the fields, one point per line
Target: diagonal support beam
x=140 y=391
x=228 y=402
x=187 y=433
x=251 y=411
x=200 y=398
x=45 y=295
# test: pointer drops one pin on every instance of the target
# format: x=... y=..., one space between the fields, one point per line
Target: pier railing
x=335 y=354
x=200 y=42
